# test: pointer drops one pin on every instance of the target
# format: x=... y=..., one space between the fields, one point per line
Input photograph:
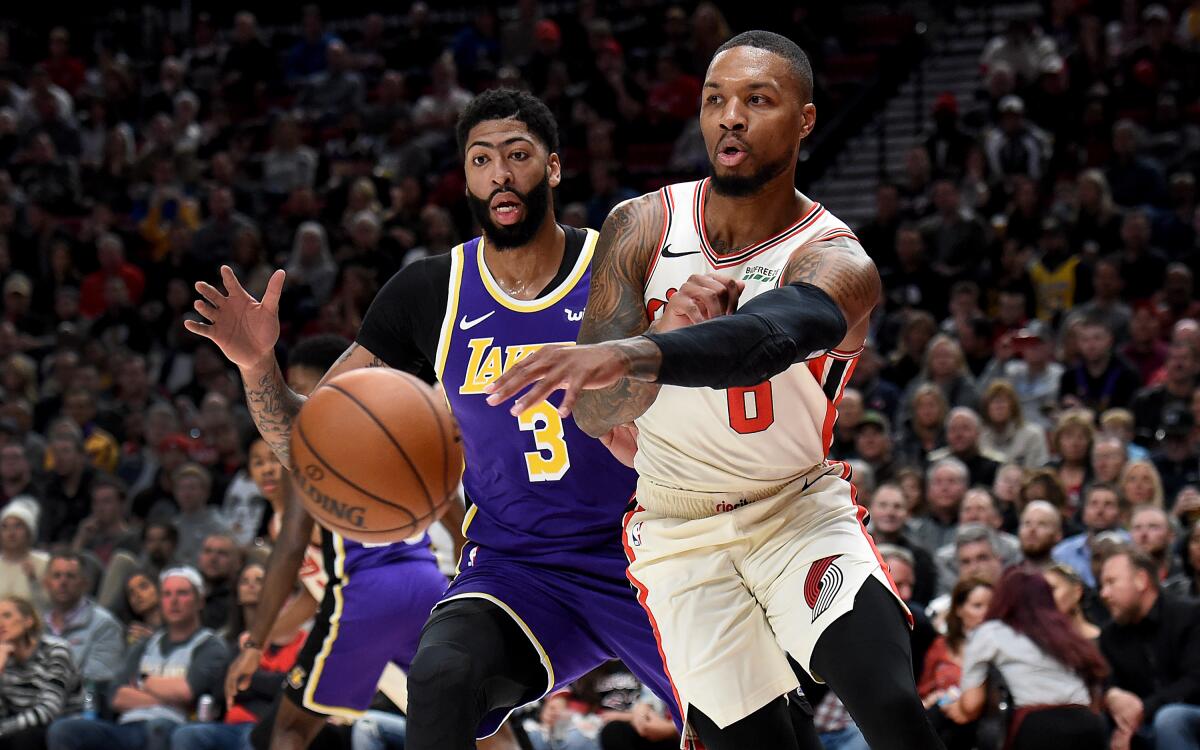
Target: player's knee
x=441 y=669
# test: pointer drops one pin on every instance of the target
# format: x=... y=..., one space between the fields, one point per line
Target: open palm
x=244 y=328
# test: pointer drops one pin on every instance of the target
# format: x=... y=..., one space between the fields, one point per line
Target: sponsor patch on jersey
x=760 y=273
x=822 y=584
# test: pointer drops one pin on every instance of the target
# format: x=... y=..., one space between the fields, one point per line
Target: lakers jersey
x=737 y=439
x=539 y=485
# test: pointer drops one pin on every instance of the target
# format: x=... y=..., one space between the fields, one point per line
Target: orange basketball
x=376 y=455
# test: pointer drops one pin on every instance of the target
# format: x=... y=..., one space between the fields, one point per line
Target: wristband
x=250 y=643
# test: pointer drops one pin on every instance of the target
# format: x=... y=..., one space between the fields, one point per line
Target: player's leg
x=768 y=728
x=473 y=660
x=294 y=727
x=865 y=656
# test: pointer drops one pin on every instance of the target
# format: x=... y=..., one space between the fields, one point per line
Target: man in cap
x=1175 y=459
x=1033 y=372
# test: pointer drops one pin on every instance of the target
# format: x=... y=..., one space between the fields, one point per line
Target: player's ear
x=554 y=170
x=808 y=119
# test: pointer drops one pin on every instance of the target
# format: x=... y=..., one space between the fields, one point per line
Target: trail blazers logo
x=823 y=583
x=296 y=677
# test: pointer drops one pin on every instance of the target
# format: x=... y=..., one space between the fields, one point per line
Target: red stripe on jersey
x=642 y=593
x=668 y=210
x=835 y=234
x=860 y=513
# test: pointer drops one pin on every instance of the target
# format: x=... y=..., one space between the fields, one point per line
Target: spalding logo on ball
x=378 y=453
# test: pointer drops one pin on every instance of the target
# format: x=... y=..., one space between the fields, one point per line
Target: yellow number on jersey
x=550 y=461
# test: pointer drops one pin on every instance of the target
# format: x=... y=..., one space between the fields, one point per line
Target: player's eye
x=713 y=99
x=758 y=99
x=479 y=160
x=518 y=155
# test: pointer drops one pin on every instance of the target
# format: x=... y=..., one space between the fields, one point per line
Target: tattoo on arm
x=273 y=406
x=843 y=270
x=616 y=310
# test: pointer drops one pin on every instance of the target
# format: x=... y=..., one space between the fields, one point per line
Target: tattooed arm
x=826 y=301
x=616 y=310
x=273 y=405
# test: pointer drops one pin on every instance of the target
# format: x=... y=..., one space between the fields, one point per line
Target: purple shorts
x=576 y=617
x=370 y=617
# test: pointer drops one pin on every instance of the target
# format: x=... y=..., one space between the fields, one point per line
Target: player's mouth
x=269 y=486
x=507 y=209
x=731 y=153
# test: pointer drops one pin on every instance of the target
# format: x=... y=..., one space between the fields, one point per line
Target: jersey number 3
x=550 y=461
x=751 y=409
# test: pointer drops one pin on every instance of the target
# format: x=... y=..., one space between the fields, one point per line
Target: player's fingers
x=270 y=298
x=693 y=312
x=198 y=328
x=733 y=292
x=539 y=392
x=570 y=396
x=205 y=308
x=512 y=382
x=232 y=286
x=209 y=292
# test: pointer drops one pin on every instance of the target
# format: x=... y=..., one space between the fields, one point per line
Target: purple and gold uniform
x=543 y=530
x=376 y=601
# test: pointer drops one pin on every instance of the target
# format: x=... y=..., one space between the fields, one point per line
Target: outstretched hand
x=551 y=368
x=244 y=328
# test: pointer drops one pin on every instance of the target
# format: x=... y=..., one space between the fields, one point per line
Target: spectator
x=248 y=66
x=1108 y=459
x=889 y=514
x=334 y=90
x=1141 y=485
x=1051 y=670
x=1034 y=374
x=1007 y=490
x=22 y=567
x=38 y=679
x=924 y=430
x=1068 y=590
x=1072 y=444
x=220 y=560
x=942 y=671
x=1016 y=147
x=1119 y=424
x=946 y=367
x=873 y=444
x=962 y=442
x=110 y=251
x=162 y=678
x=1134 y=179
x=1096 y=225
x=91 y=632
x=288 y=165
x=977 y=552
x=308 y=56
x=1176 y=460
x=1040 y=532
x=1058 y=275
x=1151 y=403
x=105 y=530
x=196 y=520
x=1186 y=582
x=1152 y=535
x=1106 y=304
x=946 y=486
x=1103 y=508
x=144 y=615
x=1101 y=379
x=1004 y=431
x=1023 y=49
x=16 y=473
x=978 y=508
x=250 y=705
x=213 y=241
x=952 y=233
x=1142 y=266
x=917 y=330
x=1153 y=647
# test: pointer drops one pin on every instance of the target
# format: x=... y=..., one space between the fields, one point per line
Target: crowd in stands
x=1024 y=425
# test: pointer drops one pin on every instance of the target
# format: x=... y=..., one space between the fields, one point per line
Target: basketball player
x=374 y=599
x=747 y=544
x=541 y=597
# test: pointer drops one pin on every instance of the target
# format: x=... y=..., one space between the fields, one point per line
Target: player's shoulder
x=432 y=269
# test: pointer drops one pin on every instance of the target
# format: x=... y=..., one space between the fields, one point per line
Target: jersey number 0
x=550 y=461
x=751 y=409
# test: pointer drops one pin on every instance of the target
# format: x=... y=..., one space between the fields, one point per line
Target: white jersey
x=738 y=439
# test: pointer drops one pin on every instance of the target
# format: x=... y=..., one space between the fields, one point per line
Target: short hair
x=891 y=550
x=506 y=104
x=70 y=555
x=172 y=532
x=780 y=45
x=108 y=480
x=971 y=533
x=191 y=469
x=952 y=463
x=1103 y=487
x=1138 y=559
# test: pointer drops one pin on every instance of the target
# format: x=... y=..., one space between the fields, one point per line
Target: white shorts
x=734 y=582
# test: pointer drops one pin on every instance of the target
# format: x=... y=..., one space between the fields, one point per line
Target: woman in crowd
x=924 y=429
x=943 y=662
x=1005 y=432
x=1053 y=672
x=1067 y=588
x=1006 y=488
x=1141 y=484
x=141 y=607
x=1187 y=581
x=38 y=679
x=21 y=566
x=946 y=367
x=249 y=588
x=1072 y=446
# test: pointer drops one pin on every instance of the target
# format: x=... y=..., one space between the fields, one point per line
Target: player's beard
x=739 y=186
x=536 y=202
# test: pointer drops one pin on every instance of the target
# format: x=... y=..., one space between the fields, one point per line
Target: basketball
x=376 y=455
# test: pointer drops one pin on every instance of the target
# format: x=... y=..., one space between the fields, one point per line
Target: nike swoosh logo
x=810 y=482
x=467 y=325
x=666 y=253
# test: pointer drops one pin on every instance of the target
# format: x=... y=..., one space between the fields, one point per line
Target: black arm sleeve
x=763 y=338
x=403 y=323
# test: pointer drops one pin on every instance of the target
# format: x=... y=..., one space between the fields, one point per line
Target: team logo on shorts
x=296 y=677
x=823 y=583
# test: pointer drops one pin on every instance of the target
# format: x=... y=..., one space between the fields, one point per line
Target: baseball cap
x=547 y=30
x=1176 y=421
x=176 y=440
x=946 y=102
x=1035 y=329
x=187 y=572
x=1013 y=104
x=872 y=418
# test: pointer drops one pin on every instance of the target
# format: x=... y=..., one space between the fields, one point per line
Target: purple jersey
x=539 y=485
